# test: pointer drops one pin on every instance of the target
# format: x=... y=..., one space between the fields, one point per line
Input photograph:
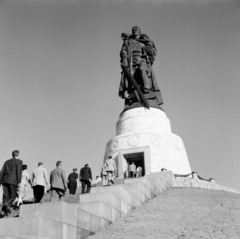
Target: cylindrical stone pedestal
x=140 y=127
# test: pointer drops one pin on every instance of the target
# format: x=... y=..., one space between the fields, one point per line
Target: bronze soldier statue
x=138 y=82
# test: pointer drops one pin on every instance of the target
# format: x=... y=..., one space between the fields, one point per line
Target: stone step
x=121 y=192
x=110 y=199
x=70 y=218
x=160 y=183
x=29 y=228
x=147 y=194
x=58 y=211
x=101 y=209
x=82 y=215
x=137 y=193
x=69 y=198
x=145 y=181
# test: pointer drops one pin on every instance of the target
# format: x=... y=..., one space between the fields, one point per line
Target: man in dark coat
x=72 y=181
x=10 y=178
x=85 y=175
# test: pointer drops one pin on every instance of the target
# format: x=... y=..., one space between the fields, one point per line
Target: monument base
x=144 y=137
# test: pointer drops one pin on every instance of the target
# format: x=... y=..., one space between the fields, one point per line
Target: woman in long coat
x=72 y=182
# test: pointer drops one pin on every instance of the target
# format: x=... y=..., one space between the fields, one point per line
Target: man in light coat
x=58 y=183
x=111 y=169
x=132 y=170
x=39 y=181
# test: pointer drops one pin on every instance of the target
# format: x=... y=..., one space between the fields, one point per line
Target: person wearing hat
x=72 y=182
x=85 y=176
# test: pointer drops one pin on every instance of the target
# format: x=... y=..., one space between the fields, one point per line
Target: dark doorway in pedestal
x=137 y=158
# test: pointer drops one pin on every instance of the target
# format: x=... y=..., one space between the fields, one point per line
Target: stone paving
x=185 y=213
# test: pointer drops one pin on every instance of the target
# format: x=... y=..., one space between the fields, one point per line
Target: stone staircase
x=80 y=216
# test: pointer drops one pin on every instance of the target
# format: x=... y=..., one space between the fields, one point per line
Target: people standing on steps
x=10 y=178
x=58 y=183
x=39 y=181
x=72 y=181
x=110 y=169
x=85 y=176
x=132 y=170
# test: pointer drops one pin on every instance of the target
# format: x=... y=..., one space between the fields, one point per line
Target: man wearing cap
x=10 y=178
x=85 y=177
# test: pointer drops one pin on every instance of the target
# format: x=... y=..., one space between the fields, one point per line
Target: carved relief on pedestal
x=156 y=140
x=114 y=145
x=133 y=140
x=145 y=139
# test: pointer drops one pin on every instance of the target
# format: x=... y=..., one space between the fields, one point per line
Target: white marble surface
x=140 y=127
x=142 y=119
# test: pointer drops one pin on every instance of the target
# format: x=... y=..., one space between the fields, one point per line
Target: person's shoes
x=2 y=215
x=8 y=210
x=112 y=181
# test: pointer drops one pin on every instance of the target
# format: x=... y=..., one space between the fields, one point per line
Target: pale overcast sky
x=60 y=73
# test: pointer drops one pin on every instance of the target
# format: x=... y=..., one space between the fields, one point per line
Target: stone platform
x=148 y=131
x=90 y=213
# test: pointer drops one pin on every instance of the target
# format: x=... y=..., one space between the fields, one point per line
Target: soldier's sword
x=132 y=81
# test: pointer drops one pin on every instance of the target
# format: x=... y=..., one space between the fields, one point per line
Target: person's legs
x=83 y=186
x=38 y=192
x=35 y=193
x=74 y=188
x=6 y=196
x=61 y=194
x=21 y=191
x=54 y=195
x=109 y=176
x=105 y=179
x=146 y=83
x=88 y=186
x=13 y=194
